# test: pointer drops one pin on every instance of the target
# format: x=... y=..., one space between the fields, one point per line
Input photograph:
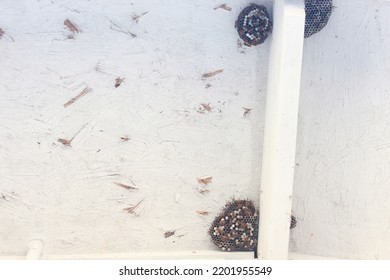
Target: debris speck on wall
x=169 y=233
x=136 y=18
x=205 y=180
x=127 y=187
x=246 y=111
x=71 y=26
x=132 y=209
x=77 y=97
x=223 y=7
x=119 y=81
x=212 y=74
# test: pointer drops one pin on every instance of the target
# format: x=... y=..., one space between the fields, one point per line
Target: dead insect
x=118 y=81
x=246 y=111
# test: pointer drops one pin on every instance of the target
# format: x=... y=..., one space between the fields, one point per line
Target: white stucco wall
x=342 y=193
x=67 y=196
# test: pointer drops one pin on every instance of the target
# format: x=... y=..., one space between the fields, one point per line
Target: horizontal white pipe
x=281 y=119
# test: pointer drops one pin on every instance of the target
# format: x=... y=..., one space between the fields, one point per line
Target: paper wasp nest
x=254 y=25
x=236 y=227
x=317 y=15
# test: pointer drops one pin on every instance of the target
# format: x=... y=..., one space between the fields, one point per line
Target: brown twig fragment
x=127 y=187
x=137 y=17
x=81 y=94
x=223 y=6
x=125 y=138
x=203 y=213
x=202 y=191
x=131 y=209
x=72 y=27
x=204 y=108
x=169 y=233
x=116 y=27
x=67 y=142
x=118 y=81
x=211 y=74
x=205 y=180
x=246 y=111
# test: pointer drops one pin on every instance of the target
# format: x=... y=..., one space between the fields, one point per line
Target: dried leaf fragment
x=72 y=27
x=246 y=111
x=131 y=209
x=202 y=191
x=211 y=74
x=65 y=142
x=203 y=213
x=204 y=108
x=169 y=233
x=81 y=94
x=223 y=6
x=205 y=180
x=118 y=81
x=127 y=187
x=137 y=17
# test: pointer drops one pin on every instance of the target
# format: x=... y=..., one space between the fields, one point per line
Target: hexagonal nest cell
x=236 y=227
x=254 y=25
x=317 y=15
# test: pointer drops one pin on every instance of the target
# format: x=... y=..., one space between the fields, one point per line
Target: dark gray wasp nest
x=317 y=15
x=236 y=227
x=254 y=25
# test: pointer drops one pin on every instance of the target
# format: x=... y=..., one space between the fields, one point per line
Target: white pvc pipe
x=35 y=250
x=281 y=119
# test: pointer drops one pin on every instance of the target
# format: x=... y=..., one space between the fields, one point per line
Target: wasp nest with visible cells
x=317 y=15
x=293 y=222
x=254 y=25
x=235 y=229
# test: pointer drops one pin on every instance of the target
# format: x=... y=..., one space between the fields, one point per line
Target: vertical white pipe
x=281 y=119
x=35 y=250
